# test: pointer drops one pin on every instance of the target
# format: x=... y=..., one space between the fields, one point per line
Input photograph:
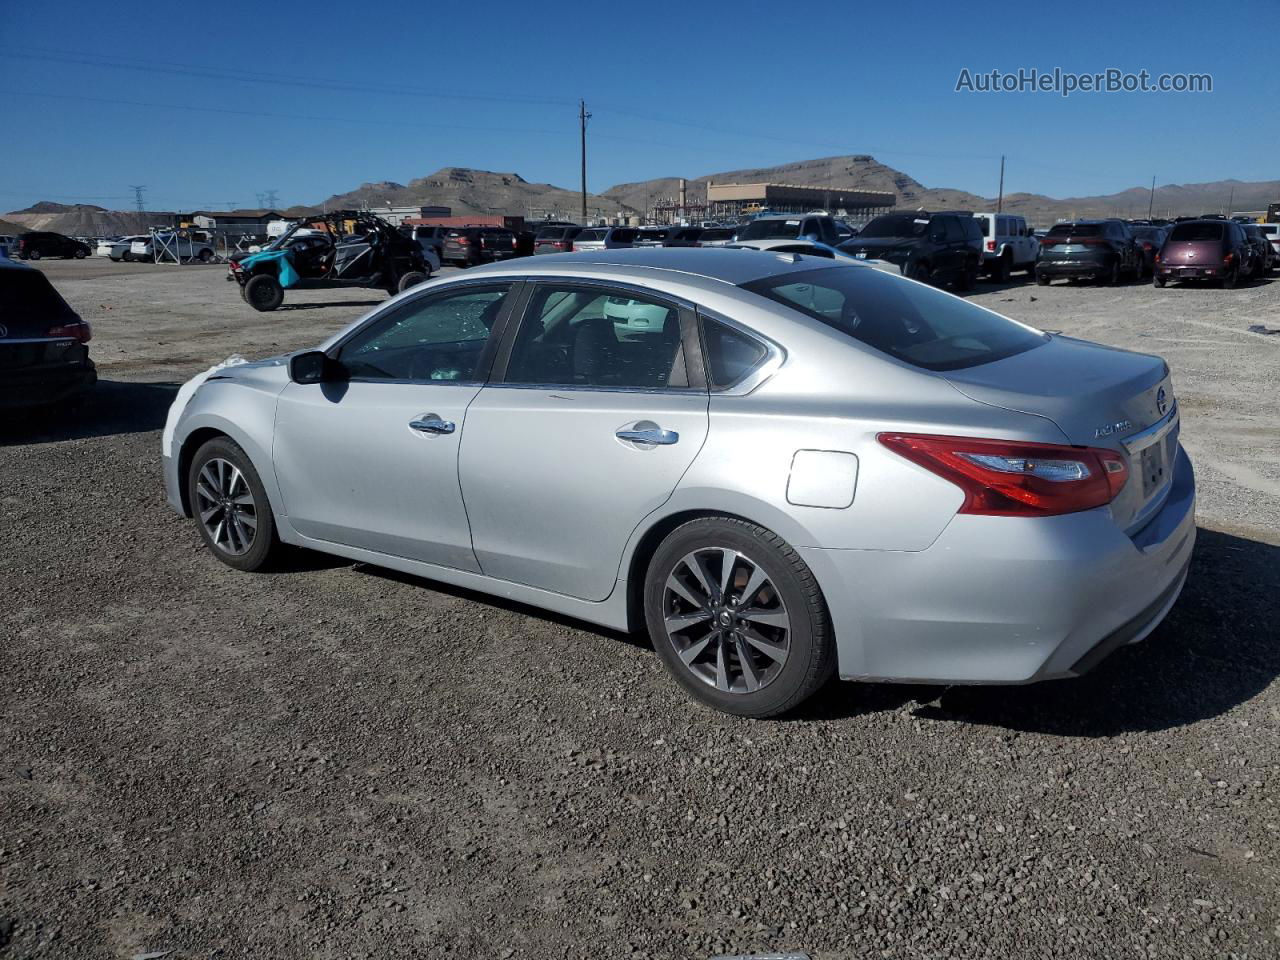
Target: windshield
x=27 y=297
x=1076 y=230
x=911 y=322
x=1193 y=232
x=770 y=230
x=896 y=225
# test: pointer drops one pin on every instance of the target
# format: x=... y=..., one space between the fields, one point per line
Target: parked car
x=604 y=238
x=684 y=237
x=1088 y=249
x=1216 y=250
x=717 y=236
x=41 y=243
x=7 y=242
x=472 y=246
x=793 y=226
x=1149 y=240
x=1272 y=232
x=120 y=250
x=376 y=256
x=44 y=357
x=557 y=238
x=168 y=246
x=1008 y=244
x=1263 y=255
x=103 y=247
x=429 y=238
x=890 y=482
x=652 y=236
x=938 y=248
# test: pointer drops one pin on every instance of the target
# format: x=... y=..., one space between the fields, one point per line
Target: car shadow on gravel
x=111 y=408
x=330 y=303
x=1215 y=650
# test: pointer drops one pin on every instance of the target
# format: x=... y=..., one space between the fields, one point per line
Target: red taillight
x=562 y=245
x=1228 y=258
x=1157 y=258
x=1012 y=479
x=991 y=246
x=76 y=331
x=463 y=241
x=1147 y=245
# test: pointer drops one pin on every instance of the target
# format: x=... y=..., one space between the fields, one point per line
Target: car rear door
x=372 y=461
x=588 y=424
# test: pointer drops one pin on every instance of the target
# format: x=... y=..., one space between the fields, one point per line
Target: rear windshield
x=770 y=230
x=625 y=235
x=911 y=322
x=896 y=225
x=717 y=234
x=1147 y=233
x=591 y=235
x=27 y=297
x=552 y=233
x=653 y=235
x=691 y=234
x=1270 y=229
x=1076 y=230
x=984 y=225
x=1191 y=232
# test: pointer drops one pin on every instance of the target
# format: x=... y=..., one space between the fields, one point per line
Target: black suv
x=43 y=354
x=37 y=244
x=472 y=246
x=1097 y=249
x=938 y=248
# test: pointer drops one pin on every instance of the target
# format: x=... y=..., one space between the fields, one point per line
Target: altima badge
x=1162 y=401
x=1107 y=429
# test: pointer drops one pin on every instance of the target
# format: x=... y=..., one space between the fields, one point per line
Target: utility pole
x=137 y=194
x=583 y=117
x=1231 y=200
x=1000 y=198
x=1152 y=201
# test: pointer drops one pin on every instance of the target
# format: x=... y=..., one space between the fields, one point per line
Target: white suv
x=1008 y=244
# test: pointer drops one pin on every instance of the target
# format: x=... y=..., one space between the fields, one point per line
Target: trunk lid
x=1098 y=397
x=1199 y=253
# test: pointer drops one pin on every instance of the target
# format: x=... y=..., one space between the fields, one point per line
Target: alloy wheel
x=726 y=620
x=225 y=505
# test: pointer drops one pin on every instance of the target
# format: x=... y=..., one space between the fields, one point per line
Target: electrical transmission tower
x=269 y=199
x=137 y=194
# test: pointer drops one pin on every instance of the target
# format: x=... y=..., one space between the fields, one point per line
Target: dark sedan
x=44 y=359
x=1149 y=239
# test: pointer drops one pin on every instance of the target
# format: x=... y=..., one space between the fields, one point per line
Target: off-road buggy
x=344 y=248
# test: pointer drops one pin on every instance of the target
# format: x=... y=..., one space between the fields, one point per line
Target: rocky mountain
x=85 y=220
x=468 y=191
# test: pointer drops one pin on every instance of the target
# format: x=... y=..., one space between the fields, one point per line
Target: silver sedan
x=781 y=466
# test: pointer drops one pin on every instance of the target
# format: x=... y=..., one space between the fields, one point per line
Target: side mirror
x=314 y=366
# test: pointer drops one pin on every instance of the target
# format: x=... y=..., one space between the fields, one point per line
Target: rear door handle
x=655 y=436
x=433 y=425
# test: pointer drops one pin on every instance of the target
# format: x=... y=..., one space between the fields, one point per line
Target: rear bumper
x=1190 y=272
x=1008 y=599
x=46 y=384
x=1075 y=268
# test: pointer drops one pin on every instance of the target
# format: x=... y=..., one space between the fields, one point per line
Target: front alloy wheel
x=226 y=507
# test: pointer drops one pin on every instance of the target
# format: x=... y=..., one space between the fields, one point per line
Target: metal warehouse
x=736 y=199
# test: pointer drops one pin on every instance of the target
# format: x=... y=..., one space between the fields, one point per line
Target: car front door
x=586 y=428
x=370 y=460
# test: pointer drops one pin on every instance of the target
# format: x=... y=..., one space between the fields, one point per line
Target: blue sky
x=676 y=89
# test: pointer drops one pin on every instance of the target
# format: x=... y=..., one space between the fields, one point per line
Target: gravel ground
x=336 y=761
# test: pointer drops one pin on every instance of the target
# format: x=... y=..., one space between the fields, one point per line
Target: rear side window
x=27 y=296
x=911 y=322
x=984 y=225
x=731 y=355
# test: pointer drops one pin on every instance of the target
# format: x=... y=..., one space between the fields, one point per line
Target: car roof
x=732 y=266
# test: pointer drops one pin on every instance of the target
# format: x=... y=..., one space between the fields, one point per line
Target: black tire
x=1004 y=266
x=1112 y=278
x=1232 y=280
x=264 y=545
x=80 y=254
x=263 y=292
x=921 y=273
x=410 y=279
x=1158 y=281
x=206 y=255
x=1042 y=279
x=967 y=280
x=32 y=255
x=809 y=640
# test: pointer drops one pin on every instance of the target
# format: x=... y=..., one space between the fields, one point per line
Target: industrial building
x=730 y=200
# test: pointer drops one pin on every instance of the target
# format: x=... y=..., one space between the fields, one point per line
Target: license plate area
x=1153 y=469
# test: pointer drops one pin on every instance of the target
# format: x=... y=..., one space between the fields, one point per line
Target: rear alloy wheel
x=1158 y=280
x=737 y=618
x=80 y=254
x=920 y=272
x=1112 y=278
x=230 y=506
x=1041 y=278
x=33 y=255
x=206 y=255
x=263 y=292
x=1232 y=279
x=1004 y=266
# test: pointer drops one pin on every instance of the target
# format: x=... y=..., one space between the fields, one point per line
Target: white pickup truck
x=1008 y=244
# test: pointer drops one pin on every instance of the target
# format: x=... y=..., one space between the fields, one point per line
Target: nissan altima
x=783 y=467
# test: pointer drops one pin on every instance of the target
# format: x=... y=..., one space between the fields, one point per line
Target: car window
x=954 y=231
x=591 y=235
x=730 y=354
x=1064 y=231
x=584 y=336
x=780 y=229
x=429 y=338
x=912 y=322
x=1184 y=232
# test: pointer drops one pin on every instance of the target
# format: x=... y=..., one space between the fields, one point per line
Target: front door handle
x=655 y=436
x=433 y=425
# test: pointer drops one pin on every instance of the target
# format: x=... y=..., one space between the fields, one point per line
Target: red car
x=1215 y=250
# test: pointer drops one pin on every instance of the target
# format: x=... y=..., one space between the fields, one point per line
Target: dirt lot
x=335 y=761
